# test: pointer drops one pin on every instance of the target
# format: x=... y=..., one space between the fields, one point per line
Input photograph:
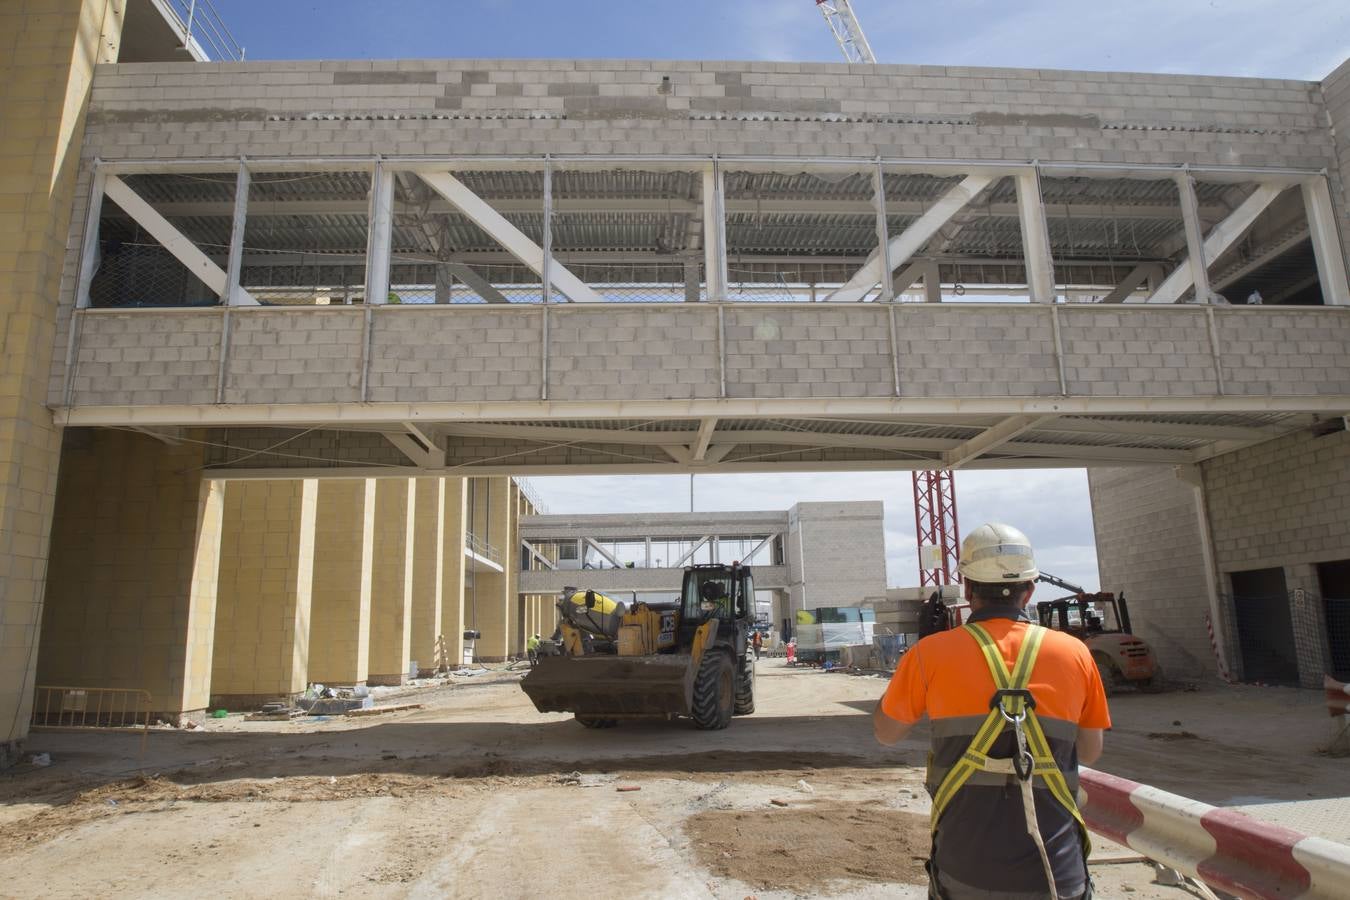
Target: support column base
x=10 y=753
x=387 y=680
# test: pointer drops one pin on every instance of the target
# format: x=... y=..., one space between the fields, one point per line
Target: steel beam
x=1040 y=265
x=714 y=233
x=1138 y=277
x=911 y=240
x=1326 y=240
x=989 y=440
x=508 y=235
x=1194 y=271
x=162 y=230
x=380 y=235
x=705 y=435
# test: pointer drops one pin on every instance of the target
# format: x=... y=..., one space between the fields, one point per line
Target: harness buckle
x=1027 y=697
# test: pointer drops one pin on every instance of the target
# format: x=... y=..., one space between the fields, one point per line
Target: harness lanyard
x=1013 y=704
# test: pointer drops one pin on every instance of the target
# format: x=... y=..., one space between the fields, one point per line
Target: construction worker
x=1014 y=708
x=532 y=650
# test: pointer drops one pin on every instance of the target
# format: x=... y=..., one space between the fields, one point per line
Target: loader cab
x=724 y=592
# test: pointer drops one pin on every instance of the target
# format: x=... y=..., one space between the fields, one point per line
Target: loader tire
x=714 y=692
x=745 y=687
x=591 y=722
x=1110 y=675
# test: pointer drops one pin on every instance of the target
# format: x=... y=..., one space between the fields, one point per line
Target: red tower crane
x=934 y=491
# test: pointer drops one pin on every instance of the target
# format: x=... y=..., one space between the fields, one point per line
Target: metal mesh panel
x=142 y=273
x=305 y=239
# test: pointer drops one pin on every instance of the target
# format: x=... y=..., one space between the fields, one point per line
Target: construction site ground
x=474 y=794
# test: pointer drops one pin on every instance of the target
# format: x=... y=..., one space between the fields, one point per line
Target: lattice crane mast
x=935 y=523
x=839 y=15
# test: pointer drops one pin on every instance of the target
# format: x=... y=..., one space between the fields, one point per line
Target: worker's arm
x=903 y=703
x=1089 y=745
x=887 y=730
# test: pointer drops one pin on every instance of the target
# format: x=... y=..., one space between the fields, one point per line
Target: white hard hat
x=996 y=553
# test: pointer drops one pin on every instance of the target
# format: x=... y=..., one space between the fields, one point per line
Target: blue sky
x=1303 y=39
x=1297 y=39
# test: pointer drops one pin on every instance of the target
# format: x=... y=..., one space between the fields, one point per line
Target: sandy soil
x=477 y=795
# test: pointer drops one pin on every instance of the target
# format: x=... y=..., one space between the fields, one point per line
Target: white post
x=714 y=233
x=1040 y=264
x=233 y=269
x=1195 y=239
x=381 y=228
x=545 y=273
x=1326 y=241
x=89 y=258
x=883 y=238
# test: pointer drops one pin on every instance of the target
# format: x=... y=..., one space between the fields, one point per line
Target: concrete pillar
x=265 y=592
x=427 y=564
x=344 y=535
x=131 y=593
x=391 y=580
x=488 y=605
x=510 y=554
x=52 y=48
x=453 y=575
x=1307 y=614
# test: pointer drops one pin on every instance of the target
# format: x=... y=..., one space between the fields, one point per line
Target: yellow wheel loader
x=654 y=660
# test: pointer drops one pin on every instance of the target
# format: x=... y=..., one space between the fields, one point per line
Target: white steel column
x=90 y=254
x=546 y=267
x=883 y=238
x=381 y=229
x=911 y=240
x=235 y=295
x=1040 y=264
x=1326 y=241
x=714 y=233
x=1197 y=264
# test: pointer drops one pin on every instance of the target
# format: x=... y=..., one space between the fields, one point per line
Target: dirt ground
x=477 y=795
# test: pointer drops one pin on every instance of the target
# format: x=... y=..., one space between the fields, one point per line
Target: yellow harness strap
x=976 y=757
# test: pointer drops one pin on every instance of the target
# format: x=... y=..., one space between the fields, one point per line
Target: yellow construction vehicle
x=654 y=660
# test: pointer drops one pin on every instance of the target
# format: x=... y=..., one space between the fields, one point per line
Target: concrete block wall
x=836 y=554
x=772 y=350
x=262 y=627
x=495 y=355
x=1149 y=548
x=391 y=593
x=131 y=593
x=152 y=358
x=617 y=353
x=47 y=69
x=276 y=352
x=1160 y=351
x=566 y=106
x=344 y=537
x=796 y=352
x=1280 y=504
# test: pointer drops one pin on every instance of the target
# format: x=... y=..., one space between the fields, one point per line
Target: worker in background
x=1014 y=708
x=532 y=650
x=757 y=642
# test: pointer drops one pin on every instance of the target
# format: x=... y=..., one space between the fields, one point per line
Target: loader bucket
x=612 y=687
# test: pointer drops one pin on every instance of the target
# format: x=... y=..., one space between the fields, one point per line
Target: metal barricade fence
x=63 y=707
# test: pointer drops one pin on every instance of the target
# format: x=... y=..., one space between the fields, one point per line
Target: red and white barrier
x=1224 y=848
x=1218 y=657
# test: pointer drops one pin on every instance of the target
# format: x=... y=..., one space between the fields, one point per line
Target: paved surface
x=477 y=795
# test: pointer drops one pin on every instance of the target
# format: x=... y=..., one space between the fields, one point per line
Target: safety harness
x=1012 y=705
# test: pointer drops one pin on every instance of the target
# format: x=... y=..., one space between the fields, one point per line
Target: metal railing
x=65 y=707
x=202 y=24
x=481 y=547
